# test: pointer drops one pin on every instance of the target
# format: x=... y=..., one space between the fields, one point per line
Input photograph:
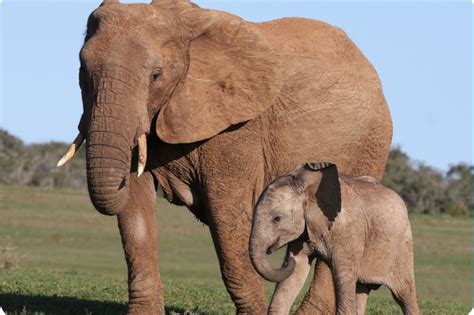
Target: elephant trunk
x=258 y=255
x=116 y=122
x=108 y=166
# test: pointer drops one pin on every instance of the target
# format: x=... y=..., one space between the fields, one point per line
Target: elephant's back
x=303 y=43
x=292 y=35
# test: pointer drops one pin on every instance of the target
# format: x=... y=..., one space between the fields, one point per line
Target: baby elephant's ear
x=324 y=197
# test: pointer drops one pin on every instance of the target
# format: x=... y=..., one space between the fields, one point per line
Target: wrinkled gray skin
x=356 y=225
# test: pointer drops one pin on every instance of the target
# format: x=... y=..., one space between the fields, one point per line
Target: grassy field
x=59 y=256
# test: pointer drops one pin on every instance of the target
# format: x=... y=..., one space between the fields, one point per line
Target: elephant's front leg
x=345 y=281
x=230 y=228
x=287 y=290
x=320 y=298
x=138 y=229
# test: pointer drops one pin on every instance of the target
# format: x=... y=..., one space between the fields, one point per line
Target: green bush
x=35 y=164
x=427 y=190
x=424 y=188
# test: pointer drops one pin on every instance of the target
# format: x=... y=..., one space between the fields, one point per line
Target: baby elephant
x=359 y=227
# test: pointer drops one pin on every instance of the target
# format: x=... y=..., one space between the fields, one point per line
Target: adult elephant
x=223 y=106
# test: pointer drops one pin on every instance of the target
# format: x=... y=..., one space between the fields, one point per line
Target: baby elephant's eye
x=276 y=219
x=156 y=74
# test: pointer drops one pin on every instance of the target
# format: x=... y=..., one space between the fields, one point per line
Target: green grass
x=62 y=257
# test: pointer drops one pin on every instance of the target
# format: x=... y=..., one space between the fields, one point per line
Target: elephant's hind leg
x=404 y=293
x=405 y=296
x=402 y=282
x=138 y=229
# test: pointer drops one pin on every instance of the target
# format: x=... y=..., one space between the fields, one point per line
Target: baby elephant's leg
x=404 y=293
x=402 y=280
x=362 y=294
x=287 y=290
x=345 y=286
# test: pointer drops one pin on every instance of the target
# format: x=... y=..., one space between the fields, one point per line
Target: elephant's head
x=169 y=68
x=302 y=203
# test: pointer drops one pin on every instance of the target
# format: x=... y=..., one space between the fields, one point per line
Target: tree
x=459 y=189
x=428 y=190
x=35 y=164
x=423 y=188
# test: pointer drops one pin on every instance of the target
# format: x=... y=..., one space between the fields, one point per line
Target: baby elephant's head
x=306 y=199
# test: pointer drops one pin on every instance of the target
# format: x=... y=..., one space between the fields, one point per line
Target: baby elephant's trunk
x=258 y=255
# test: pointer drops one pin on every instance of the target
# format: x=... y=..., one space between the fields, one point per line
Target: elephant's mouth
x=276 y=246
x=108 y=167
x=283 y=241
x=142 y=153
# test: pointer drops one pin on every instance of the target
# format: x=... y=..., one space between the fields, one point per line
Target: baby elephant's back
x=381 y=204
x=389 y=232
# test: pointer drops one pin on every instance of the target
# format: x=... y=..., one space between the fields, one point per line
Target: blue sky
x=421 y=50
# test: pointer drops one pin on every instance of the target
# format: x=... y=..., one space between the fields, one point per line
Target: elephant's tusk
x=141 y=154
x=71 y=151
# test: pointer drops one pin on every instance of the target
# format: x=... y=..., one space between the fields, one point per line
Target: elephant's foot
x=307 y=308
x=146 y=296
x=260 y=308
x=152 y=308
x=253 y=302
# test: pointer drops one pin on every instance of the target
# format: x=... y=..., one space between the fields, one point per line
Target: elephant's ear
x=324 y=197
x=232 y=77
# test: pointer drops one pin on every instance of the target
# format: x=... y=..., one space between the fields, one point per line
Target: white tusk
x=141 y=154
x=72 y=150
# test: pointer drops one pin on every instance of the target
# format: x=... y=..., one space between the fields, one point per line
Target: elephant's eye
x=276 y=219
x=155 y=75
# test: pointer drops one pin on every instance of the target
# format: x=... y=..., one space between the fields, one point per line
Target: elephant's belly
x=380 y=256
x=317 y=136
x=376 y=269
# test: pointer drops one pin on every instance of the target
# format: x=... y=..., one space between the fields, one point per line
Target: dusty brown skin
x=226 y=106
x=356 y=225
